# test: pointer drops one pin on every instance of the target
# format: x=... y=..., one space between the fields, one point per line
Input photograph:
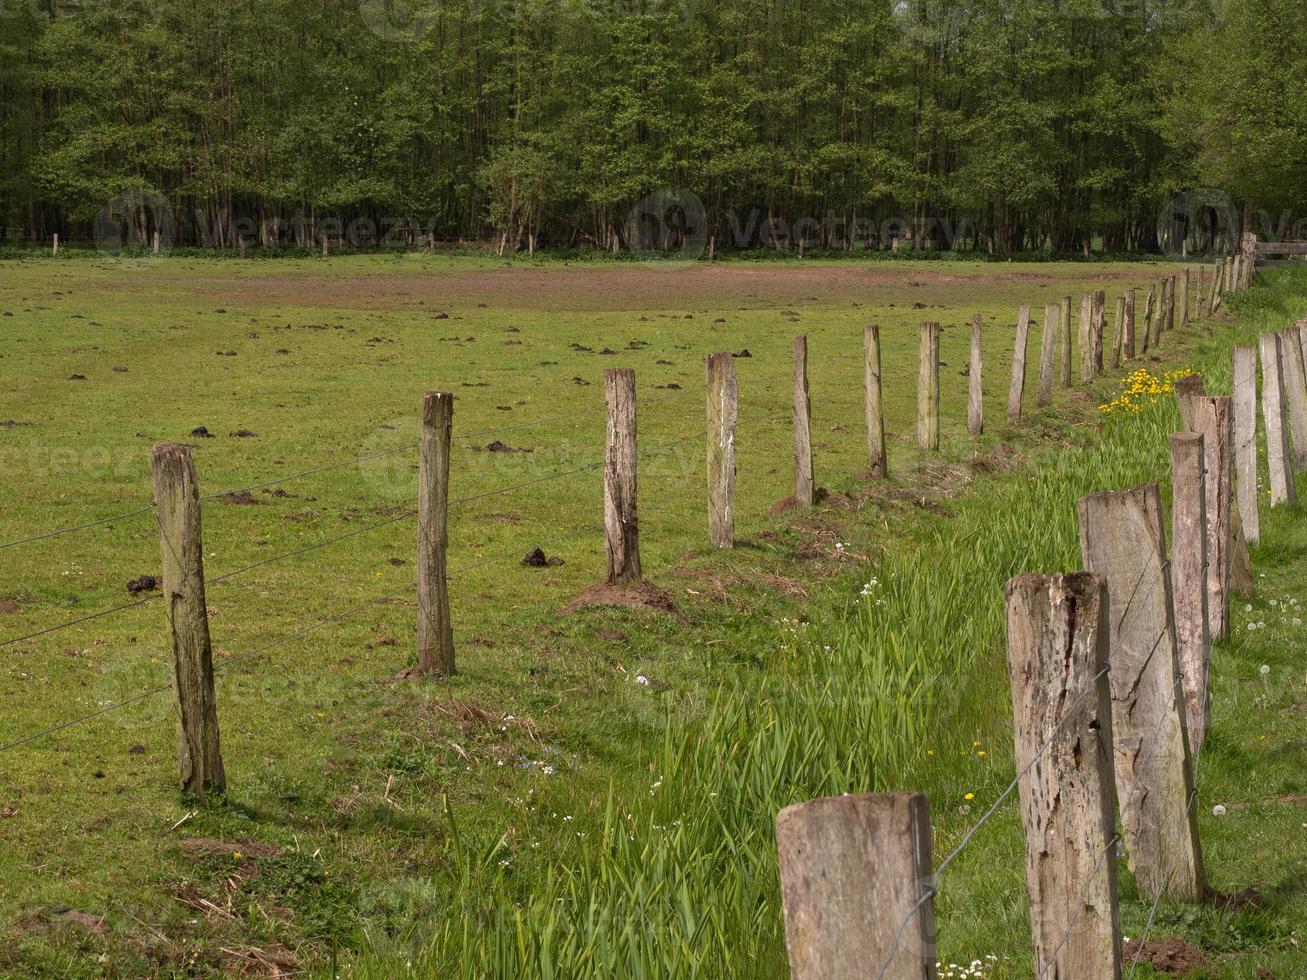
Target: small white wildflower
x=642 y=680
x=1264 y=669
x=1248 y=607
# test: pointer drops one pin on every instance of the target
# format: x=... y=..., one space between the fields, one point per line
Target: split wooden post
x=1283 y=490
x=875 y=406
x=1184 y=297
x=1057 y=650
x=1213 y=417
x=1118 y=335
x=1147 y=339
x=1096 y=330
x=1128 y=330
x=854 y=869
x=1016 y=393
x=1295 y=388
x=928 y=388
x=621 y=524
x=1122 y=538
x=1189 y=579
x=1064 y=343
x=723 y=411
x=1048 y=355
x=435 y=626
x=1087 y=338
x=1215 y=293
x=975 y=390
x=1245 y=441
x=805 y=489
x=177 y=509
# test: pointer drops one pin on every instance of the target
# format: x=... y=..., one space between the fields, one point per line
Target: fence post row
x=1048 y=355
x=1189 y=579
x=1122 y=538
x=856 y=887
x=1273 y=418
x=928 y=388
x=975 y=390
x=1057 y=647
x=804 y=487
x=621 y=526
x=181 y=544
x=723 y=411
x=1016 y=393
x=435 y=627
x=875 y=407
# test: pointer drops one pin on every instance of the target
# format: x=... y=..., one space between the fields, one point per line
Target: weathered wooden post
x=1169 y=323
x=1200 y=297
x=1245 y=441
x=177 y=509
x=240 y=244
x=1248 y=248
x=1087 y=338
x=1100 y=320
x=1122 y=538
x=875 y=406
x=928 y=388
x=54 y=246
x=1128 y=331
x=1185 y=281
x=805 y=489
x=1048 y=355
x=857 y=887
x=1016 y=393
x=1057 y=649
x=435 y=627
x=1213 y=417
x=1189 y=578
x=1214 y=295
x=1064 y=343
x=723 y=410
x=325 y=248
x=1118 y=335
x=975 y=391
x=1147 y=339
x=1295 y=389
x=155 y=246
x=621 y=525
x=1278 y=462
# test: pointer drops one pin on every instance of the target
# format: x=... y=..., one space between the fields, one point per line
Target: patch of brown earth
x=202 y=847
x=641 y=595
x=1172 y=956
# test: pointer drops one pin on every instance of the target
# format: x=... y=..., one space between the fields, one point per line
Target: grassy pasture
x=544 y=775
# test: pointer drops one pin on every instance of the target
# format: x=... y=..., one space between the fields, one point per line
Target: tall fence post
x=1295 y=387
x=1099 y=322
x=1118 y=335
x=1128 y=328
x=435 y=626
x=1283 y=490
x=54 y=246
x=1017 y=391
x=1170 y=303
x=1189 y=578
x=856 y=887
x=1064 y=344
x=1087 y=338
x=1185 y=281
x=875 y=406
x=975 y=390
x=1057 y=649
x=1213 y=417
x=805 y=489
x=1245 y=441
x=177 y=508
x=1146 y=341
x=621 y=525
x=928 y=388
x=1048 y=355
x=1122 y=538
x=723 y=410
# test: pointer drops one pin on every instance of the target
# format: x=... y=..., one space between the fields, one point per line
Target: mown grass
x=544 y=813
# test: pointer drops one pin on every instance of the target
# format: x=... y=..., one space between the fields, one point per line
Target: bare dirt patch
x=1171 y=956
x=641 y=595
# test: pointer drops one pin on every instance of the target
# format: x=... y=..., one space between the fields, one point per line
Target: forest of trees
x=998 y=125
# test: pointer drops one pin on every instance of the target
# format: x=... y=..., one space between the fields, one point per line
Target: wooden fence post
x=1128 y=330
x=975 y=391
x=1118 y=335
x=805 y=490
x=1147 y=340
x=1057 y=650
x=177 y=508
x=54 y=246
x=1245 y=441
x=874 y=404
x=155 y=245
x=853 y=868
x=1064 y=343
x=723 y=410
x=1278 y=461
x=325 y=249
x=1214 y=294
x=1184 y=297
x=1087 y=338
x=1016 y=393
x=928 y=388
x=1295 y=387
x=1169 y=323
x=1048 y=355
x=1189 y=578
x=435 y=627
x=1213 y=417
x=1099 y=322
x=621 y=524
x=1122 y=539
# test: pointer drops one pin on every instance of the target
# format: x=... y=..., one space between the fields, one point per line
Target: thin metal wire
x=77 y=622
x=76 y=527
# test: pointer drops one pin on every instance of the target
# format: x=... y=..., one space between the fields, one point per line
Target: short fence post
x=928 y=388
x=1064 y=340
x=177 y=509
x=1118 y=335
x=975 y=391
x=1245 y=441
x=1048 y=355
x=1147 y=340
x=804 y=488
x=857 y=887
x=1189 y=578
x=435 y=627
x=1277 y=433
x=1214 y=293
x=1016 y=393
x=1128 y=330
x=621 y=525
x=1122 y=539
x=1099 y=322
x=723 y=410
x=1087 y=338
x=1170 y=303
x=240 y=245
x=324 y=245
x=1184 y=297
x=1295 y=386
x=54 y=246
x=155 y=246
x=1057 y=649
x=875 y=410
x=1213 y=417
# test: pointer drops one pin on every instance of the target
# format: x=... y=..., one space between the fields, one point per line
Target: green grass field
x=544 y=813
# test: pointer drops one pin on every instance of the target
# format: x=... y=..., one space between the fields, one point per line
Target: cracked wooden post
x=1122 y=538
x=621 y=525
x=1214 y=294
x=1245 y=441
x=1118 y=335
x=723 y=411
x=177 y=509
x=975 y=391
x=1057 y=650
x=1185 y=281
x=1278 y=461
x=1048 y=355
x=1017 y=391
x=1087 y=338
x=852 y=869
x=1099 y=323
x=1189 y=579
x=875 y=407
x=1128 y=327
x=1064 y=344
x=1147 y=338
x=1295 y=389
x=928 y=388
x=1213 y=417
x=435 y=627
x=805 y=489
